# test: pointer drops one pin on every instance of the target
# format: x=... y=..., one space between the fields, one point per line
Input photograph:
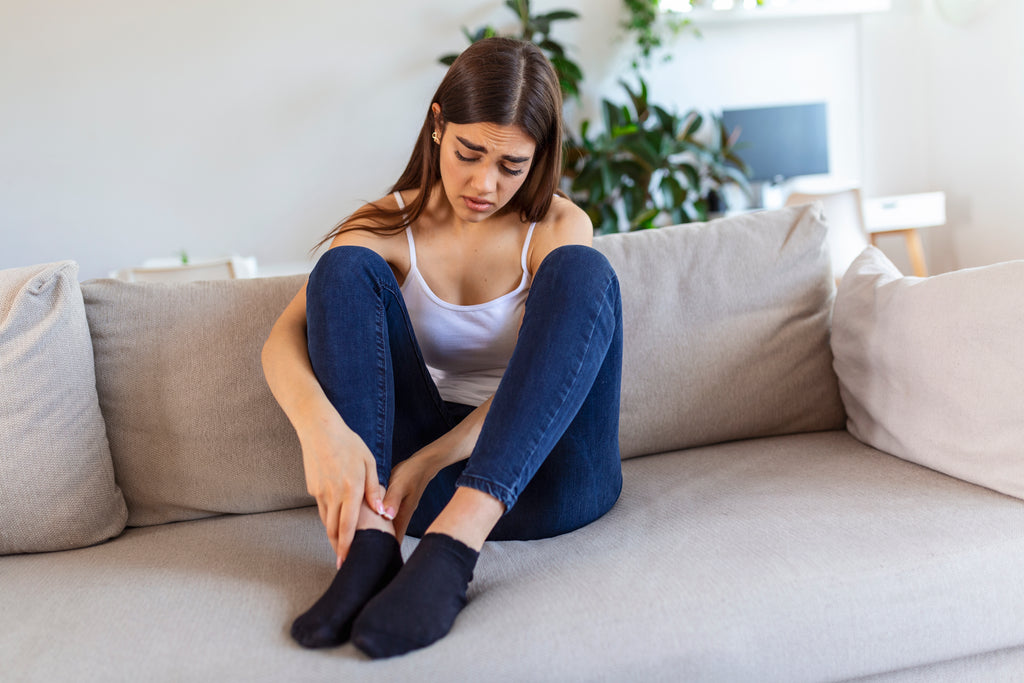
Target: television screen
x=781 y=142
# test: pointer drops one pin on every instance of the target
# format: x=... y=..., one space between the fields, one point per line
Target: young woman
x=452 y=364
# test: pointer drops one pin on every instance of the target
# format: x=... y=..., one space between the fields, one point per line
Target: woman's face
x=483 y=165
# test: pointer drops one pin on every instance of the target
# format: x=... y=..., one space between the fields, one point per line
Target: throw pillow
x=726 y=329
x=194 y=430
x=57 y=488
x=930 y=369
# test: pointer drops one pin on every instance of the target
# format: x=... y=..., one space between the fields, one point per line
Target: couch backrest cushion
x=930 y=370
x=57 y=488
x=194 y=430
x=726 y=330
x=726 y=337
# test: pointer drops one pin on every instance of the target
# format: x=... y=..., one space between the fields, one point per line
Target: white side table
x=905 y=215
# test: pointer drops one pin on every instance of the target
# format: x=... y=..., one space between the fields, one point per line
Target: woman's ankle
x=468 y=517
x=370 y=519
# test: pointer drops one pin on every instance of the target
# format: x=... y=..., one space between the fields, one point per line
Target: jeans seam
x=382 y=384
x=508 y=496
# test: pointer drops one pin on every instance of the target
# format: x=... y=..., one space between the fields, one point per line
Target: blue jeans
x=549 y=447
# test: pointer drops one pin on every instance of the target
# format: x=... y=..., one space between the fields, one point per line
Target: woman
x=460 y=344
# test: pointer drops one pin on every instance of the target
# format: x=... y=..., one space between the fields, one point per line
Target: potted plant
x=536 y=28
x=650 y=166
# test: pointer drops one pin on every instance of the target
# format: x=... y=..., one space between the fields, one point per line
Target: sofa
x=820 y=483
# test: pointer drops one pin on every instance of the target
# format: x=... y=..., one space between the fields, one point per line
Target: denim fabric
x=549 y=445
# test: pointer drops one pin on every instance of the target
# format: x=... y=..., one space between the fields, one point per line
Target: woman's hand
x=409 y=480
x=340 y=470
x=410 y=477
x=341 y=473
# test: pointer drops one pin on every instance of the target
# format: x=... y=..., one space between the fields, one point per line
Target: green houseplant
x=648 y=24
x=536 y=28
x=651 y=166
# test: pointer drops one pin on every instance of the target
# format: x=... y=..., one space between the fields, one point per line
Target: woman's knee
x=575 y=268
x=345 y=267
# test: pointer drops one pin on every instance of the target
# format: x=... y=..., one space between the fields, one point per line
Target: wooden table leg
x=915 y=251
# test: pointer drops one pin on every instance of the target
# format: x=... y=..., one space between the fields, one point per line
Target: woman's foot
x=420 y=605
x=373 y=560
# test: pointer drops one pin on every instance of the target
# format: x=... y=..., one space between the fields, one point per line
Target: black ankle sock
x=420 y=605
x=374 y=558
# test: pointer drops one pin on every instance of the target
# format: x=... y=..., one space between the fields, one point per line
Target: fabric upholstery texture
x=194 y=430
x=809 y=557
x=57 y=488
x=726 y=330
x=930 y=369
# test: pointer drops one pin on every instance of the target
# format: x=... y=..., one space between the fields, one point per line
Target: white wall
x=976 y=130
x=943 y=110
x=135 y=128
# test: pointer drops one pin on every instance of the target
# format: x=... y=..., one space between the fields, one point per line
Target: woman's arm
x=340 y=470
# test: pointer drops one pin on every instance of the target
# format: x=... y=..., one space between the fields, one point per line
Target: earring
x=435 y=137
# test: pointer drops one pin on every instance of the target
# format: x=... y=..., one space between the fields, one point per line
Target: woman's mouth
x=475 y=204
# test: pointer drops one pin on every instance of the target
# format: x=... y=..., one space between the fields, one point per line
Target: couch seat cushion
x=806 y=557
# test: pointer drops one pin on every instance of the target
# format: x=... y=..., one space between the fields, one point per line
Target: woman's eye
x=505 y=169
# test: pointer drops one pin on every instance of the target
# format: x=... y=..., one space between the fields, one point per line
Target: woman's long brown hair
x=499 y=81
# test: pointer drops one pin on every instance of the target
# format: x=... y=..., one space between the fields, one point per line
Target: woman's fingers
x=402 y=506
x=393 y=500
x=402 y=520
x=347 y=518
x=331 y=521
x=374 y=491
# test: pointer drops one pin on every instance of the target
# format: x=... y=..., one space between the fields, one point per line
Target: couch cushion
x=194 y=430
x=930 y=368
x=726 y=330
x=57 y=487
x=799 y=558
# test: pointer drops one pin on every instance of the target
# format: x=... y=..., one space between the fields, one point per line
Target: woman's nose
x=485 y=181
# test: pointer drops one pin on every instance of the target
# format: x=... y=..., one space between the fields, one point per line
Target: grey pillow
x=194 y=430
x=726 y=330
x=57 y=488
x=930 y=370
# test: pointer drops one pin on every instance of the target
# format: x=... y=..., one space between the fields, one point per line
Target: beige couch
x=760 y=536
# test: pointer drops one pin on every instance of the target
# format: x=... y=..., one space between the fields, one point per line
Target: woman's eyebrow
x=481 y=149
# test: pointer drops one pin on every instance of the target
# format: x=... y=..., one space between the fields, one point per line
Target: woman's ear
x=438 y=121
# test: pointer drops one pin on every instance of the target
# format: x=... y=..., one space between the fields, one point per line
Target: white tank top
x=466 y=348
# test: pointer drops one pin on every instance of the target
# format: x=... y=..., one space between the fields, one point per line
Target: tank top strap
x=408 y=233
x=412 y=250
x=526 y=246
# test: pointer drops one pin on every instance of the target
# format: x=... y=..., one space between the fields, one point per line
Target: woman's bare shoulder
x=367 y=228
x=565 y=223
x=568 y=223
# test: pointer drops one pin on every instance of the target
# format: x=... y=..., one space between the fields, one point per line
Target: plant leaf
x=559 y=15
